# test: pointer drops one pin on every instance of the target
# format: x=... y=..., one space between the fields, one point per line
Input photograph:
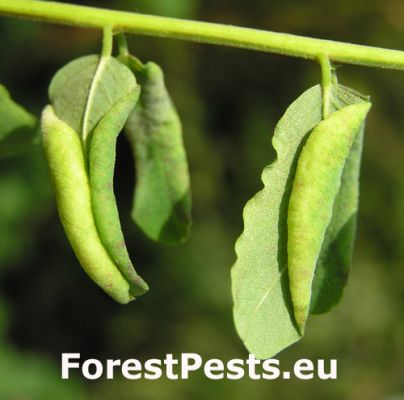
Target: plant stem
x=107 y=41
x=282 y=43
x=326 y=82
x=122 y=45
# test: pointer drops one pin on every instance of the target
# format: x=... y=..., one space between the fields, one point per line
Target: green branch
x=203 y=32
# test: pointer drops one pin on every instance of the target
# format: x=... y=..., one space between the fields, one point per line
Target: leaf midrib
x=91 y=95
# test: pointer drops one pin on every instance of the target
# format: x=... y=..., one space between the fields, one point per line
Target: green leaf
x=85 y=89
x=162 y=198
x=18 y=128
x=93 y=96
x=67 y=166
x=334 y=262
x=315 y=188
x=263 y=312
x=101 y=174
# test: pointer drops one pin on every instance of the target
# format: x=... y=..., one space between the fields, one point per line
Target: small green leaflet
x=162 y=198
x=263 y=311
x=336 y=253
x=85 y=89
x=18 y=128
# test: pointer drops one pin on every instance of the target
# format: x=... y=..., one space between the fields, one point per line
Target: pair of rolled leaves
x=294 y=254
x=92 y=100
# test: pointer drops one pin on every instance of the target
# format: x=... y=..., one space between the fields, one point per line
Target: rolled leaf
x=101 y=173
x=162 y=196
x=315 y=188
x=335 y=258
x=94 y=96
x=68 y=171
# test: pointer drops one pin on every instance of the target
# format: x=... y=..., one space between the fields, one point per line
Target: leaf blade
x=162 y=196
x=86 y=88
x=263 y=312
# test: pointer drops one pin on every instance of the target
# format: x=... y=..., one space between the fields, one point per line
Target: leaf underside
x=162 y=196
x=85 y=89
x=263 y=311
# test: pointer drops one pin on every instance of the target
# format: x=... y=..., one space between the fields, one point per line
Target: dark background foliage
x=229 y=101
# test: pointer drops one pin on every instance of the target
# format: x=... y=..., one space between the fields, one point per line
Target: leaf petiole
x=123 y=49
x=107 y=41
x=326 y=82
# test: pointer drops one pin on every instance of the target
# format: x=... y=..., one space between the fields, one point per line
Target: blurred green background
x=229 y=101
